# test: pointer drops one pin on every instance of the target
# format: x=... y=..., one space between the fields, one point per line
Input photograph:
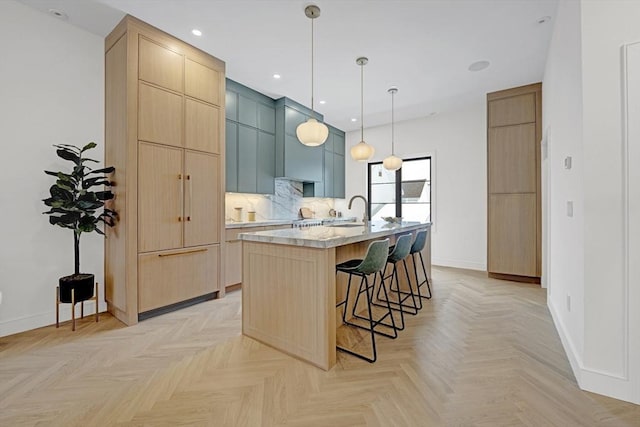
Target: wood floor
x=483 y=352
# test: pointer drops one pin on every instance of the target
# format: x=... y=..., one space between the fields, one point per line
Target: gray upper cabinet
x=247 y=159
x=267 y=118
x=293 y=159
x=250 y=140
x=338 y=141
x=247 y=111
x=231 y=106
x=338 y=176
x=231 y=156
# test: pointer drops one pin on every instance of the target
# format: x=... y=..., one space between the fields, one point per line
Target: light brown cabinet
x=513 y=182
x=233 y=252
x=164 y=123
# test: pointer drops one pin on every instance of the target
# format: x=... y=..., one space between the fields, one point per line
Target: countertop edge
x=268 y=237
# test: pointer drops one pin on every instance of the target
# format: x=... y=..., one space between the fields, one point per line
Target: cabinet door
x=328 y=174
x=513 y=110
x=292 y=119
x=160 y=197
x=301 y=162
x=202 y=126
x=512 y=234
x=328 y=144
x=266 y=163
x=338 y=144
x=233 y=262
x=159 y=65
x=169 y=277
x=338 y=176
x=201 y=198
x=266 y=118
x=231 y=156
x=201 y=82
x=231 y=105
x=512 y=159
x=247 y=111
x=159 y=116
x=247 y=159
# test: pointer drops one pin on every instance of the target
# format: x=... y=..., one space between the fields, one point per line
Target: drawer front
x=169 y=277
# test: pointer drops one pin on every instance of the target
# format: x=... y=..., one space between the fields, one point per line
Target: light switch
x=570 y=208
x=567 y=162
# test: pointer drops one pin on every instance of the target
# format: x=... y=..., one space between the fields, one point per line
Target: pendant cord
x=392 y=133
x=361 y=102
x=312 y=68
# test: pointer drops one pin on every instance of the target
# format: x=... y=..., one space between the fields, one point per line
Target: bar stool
x=416 y=249
x=373 y=264
x=399 y=252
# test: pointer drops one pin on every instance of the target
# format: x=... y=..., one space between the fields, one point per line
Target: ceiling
x=424 y=47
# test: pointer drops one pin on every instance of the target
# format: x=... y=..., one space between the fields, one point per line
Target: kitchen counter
x=290 y=286
x=332 y=236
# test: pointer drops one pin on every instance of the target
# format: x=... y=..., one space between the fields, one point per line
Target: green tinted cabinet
x=250 y=140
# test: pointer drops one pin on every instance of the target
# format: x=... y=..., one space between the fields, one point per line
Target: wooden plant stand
x=73 y=307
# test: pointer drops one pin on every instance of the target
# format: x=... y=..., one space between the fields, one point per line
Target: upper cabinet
x=250 y=140
x=293 y=159
x=332 y=184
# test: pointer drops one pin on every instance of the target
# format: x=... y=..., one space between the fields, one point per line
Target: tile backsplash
x=284 y=204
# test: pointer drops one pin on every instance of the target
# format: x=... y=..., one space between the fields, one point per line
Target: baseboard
x=569 y=349
x=467 y=265
x=39 y=320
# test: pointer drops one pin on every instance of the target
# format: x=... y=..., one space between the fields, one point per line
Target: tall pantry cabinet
x=514 y=119
x=164 y=123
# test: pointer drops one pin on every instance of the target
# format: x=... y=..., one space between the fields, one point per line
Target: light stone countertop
x=260 y=223
x=324 y=237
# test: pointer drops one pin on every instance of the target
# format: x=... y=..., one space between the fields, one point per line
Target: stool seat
x=347 y=266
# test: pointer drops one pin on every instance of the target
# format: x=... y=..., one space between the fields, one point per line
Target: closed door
x=160 y=197
x=201 y=195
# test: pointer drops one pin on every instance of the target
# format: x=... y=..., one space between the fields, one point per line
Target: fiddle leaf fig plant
x=73 y=203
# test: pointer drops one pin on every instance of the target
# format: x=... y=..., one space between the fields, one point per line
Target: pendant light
x=392 y=162
x=312 y=132
x=362 y=151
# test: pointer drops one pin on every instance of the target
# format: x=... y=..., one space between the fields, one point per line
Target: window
x=403 y=193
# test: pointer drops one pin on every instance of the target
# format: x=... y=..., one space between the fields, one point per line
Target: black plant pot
x=83 y=284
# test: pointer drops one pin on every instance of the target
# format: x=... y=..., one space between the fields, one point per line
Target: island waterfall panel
x=164 y=123
x=514 y=226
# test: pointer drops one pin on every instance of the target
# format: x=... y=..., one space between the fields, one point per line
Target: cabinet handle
x=190 y=196
x=181 y=200
x=183 y=252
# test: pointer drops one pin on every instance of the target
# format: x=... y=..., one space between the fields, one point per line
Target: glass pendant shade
x=392 y=163
x=362 y=151
x=312 y=133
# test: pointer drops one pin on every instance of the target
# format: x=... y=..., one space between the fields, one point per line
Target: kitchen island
x=290 y=287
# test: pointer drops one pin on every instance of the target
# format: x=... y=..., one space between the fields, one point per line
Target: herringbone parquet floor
x=483 y=352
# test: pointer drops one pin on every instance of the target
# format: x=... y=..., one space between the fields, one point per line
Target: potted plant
x=74 y=205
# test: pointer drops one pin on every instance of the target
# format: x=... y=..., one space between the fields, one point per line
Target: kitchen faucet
x=366 y=217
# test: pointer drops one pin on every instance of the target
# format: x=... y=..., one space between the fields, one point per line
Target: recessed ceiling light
x=544 y=19
x=354 y=120
x=323 y=102
x=59 y=14
x=196 y=32
x=276 y=76
x=479 y=65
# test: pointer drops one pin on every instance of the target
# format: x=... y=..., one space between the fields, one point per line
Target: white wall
x=457 y=143
x=606 y=27
x=583 y=92
x=51 y=86
x=562 y=124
